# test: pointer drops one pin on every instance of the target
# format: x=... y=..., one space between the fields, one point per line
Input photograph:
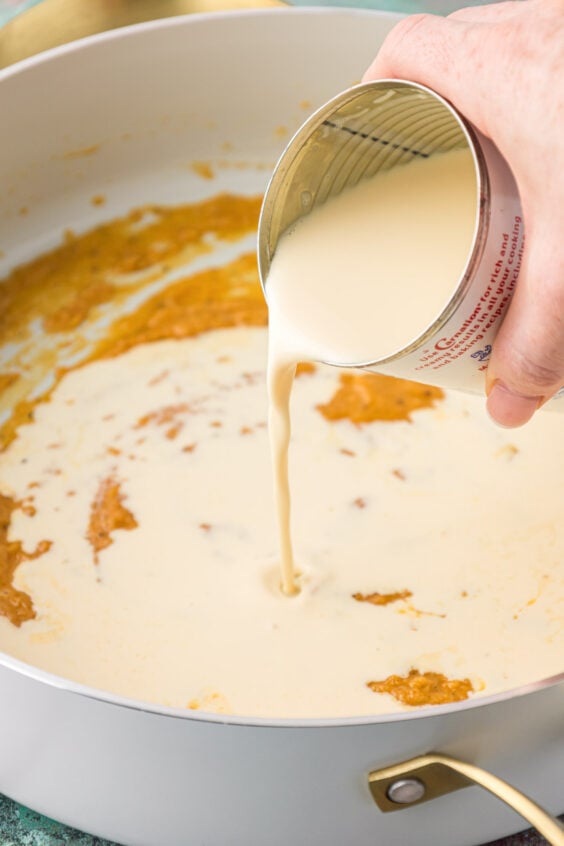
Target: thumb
x=527 y=364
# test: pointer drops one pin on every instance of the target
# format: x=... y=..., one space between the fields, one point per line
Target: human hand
x=502 y=67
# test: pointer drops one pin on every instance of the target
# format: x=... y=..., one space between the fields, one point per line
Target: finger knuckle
x=403 y=31
x=532 y=374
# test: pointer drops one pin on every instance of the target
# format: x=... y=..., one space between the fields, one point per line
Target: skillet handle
x=429 y=776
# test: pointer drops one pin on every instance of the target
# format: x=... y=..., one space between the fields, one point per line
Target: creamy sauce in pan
x=457 y=522
x=139 y=540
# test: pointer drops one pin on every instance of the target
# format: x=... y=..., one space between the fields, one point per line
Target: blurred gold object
x=55 y=22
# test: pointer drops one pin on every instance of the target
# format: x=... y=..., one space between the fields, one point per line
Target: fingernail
x=510 y=409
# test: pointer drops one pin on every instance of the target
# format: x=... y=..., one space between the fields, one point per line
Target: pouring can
x=378 y=126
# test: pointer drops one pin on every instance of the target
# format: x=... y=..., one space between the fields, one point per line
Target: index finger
x=443 y=53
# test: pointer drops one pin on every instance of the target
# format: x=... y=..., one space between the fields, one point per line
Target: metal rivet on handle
x=405 y=791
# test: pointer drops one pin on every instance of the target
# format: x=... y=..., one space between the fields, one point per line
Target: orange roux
x=107 y=514
x=423 y=688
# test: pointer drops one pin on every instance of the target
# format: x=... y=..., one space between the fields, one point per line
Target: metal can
x=382 y=125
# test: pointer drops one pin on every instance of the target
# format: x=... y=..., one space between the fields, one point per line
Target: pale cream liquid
x=182 y=615
x=185 y=609
x=360 y=278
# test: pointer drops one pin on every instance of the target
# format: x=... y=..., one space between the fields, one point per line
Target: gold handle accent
x=55 y=22
x=432 y=775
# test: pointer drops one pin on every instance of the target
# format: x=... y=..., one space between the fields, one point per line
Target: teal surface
x=18 y=825
x=10 y=8
x=21 y=827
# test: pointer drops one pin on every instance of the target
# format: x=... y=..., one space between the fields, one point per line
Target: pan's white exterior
x=151 y=98
x=158 y=779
